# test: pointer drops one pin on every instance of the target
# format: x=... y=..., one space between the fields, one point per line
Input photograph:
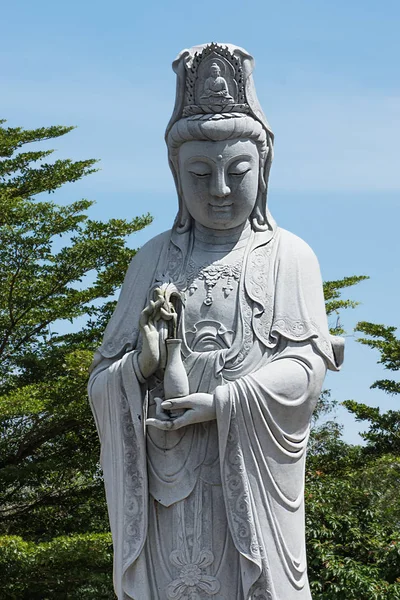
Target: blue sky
x=327 y=76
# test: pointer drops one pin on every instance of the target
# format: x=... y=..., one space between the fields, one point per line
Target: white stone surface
x=211 y=366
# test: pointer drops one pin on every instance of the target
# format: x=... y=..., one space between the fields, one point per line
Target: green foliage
x=388 y=345
x=353 y=513
x=20 y=179
x=78 y=567
x=334 y=303
x=353 y=526
x=58 y=267
x=383 y=435
x=352 y=520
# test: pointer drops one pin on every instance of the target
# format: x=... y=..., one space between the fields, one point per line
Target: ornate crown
x=214 y=82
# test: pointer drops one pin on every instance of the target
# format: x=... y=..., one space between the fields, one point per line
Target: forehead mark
x=219 y=157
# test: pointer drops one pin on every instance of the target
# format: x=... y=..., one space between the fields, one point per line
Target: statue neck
x=224 y=237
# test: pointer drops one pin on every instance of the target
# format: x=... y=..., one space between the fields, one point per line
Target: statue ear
x=261 y=218
x=183 y=220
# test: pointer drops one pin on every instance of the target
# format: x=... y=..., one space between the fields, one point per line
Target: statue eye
x=200 y=175
x=239 y=168
x=200 y=169
x=238 y=173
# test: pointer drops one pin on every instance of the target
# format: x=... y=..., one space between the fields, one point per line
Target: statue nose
x=219 y=188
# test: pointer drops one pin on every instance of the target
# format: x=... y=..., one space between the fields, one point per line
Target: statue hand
x=149 y=357
x=157 y=411
x=200 y=407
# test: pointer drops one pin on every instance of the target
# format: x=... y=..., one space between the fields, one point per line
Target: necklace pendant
x=227 y=290
x=211 y=274
x=209 y=300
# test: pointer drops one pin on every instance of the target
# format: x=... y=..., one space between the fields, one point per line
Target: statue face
x=215 y=71
x=219 y=181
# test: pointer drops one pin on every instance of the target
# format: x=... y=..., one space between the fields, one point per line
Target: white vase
x=176 y=383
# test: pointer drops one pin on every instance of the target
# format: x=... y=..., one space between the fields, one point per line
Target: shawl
x=282 y=278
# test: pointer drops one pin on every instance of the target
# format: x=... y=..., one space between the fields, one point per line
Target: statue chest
x=211 y=300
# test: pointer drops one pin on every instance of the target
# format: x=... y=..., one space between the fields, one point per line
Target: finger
x=164 y=425
x=158 y=293
x=158 y=303
x=160 y=414
x=185 y=402
x=167 y=316
x=145 y=314
x=148 y=328
x=162 y=315
x=151 y=306
x=155 y=315
x=189 y=418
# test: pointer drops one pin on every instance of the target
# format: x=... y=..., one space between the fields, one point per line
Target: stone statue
x=215 y=87
x=212 y=364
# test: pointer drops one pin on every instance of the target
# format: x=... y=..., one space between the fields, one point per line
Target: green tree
x=353 y=513
x=383 y=435
x=57 y=267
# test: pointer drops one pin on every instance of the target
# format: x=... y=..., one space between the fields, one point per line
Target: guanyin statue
x=212 y=364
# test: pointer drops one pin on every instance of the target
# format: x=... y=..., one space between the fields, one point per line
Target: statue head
x=215 y=71
x=220 y=155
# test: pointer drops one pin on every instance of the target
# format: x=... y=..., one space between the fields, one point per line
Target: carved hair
x=217 y=127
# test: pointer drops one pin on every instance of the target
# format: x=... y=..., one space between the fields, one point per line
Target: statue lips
x=221 y=207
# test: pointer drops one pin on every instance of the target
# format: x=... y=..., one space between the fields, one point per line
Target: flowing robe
x=216 y=510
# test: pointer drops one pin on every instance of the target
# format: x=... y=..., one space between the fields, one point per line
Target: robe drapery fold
x=263 y=436
x=264 y=395
x=116 y=400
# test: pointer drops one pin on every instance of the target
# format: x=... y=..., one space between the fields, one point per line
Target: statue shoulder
x=293 y=247
x=152 y=248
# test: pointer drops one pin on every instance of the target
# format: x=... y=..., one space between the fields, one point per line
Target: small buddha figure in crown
x=215 y=88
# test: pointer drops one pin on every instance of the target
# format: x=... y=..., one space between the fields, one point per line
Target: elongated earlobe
x=260 y=218
x=183 y=221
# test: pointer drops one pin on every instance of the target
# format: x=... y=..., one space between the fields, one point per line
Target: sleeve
x=263 y=427
x=285 y=283
x=118 y=402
